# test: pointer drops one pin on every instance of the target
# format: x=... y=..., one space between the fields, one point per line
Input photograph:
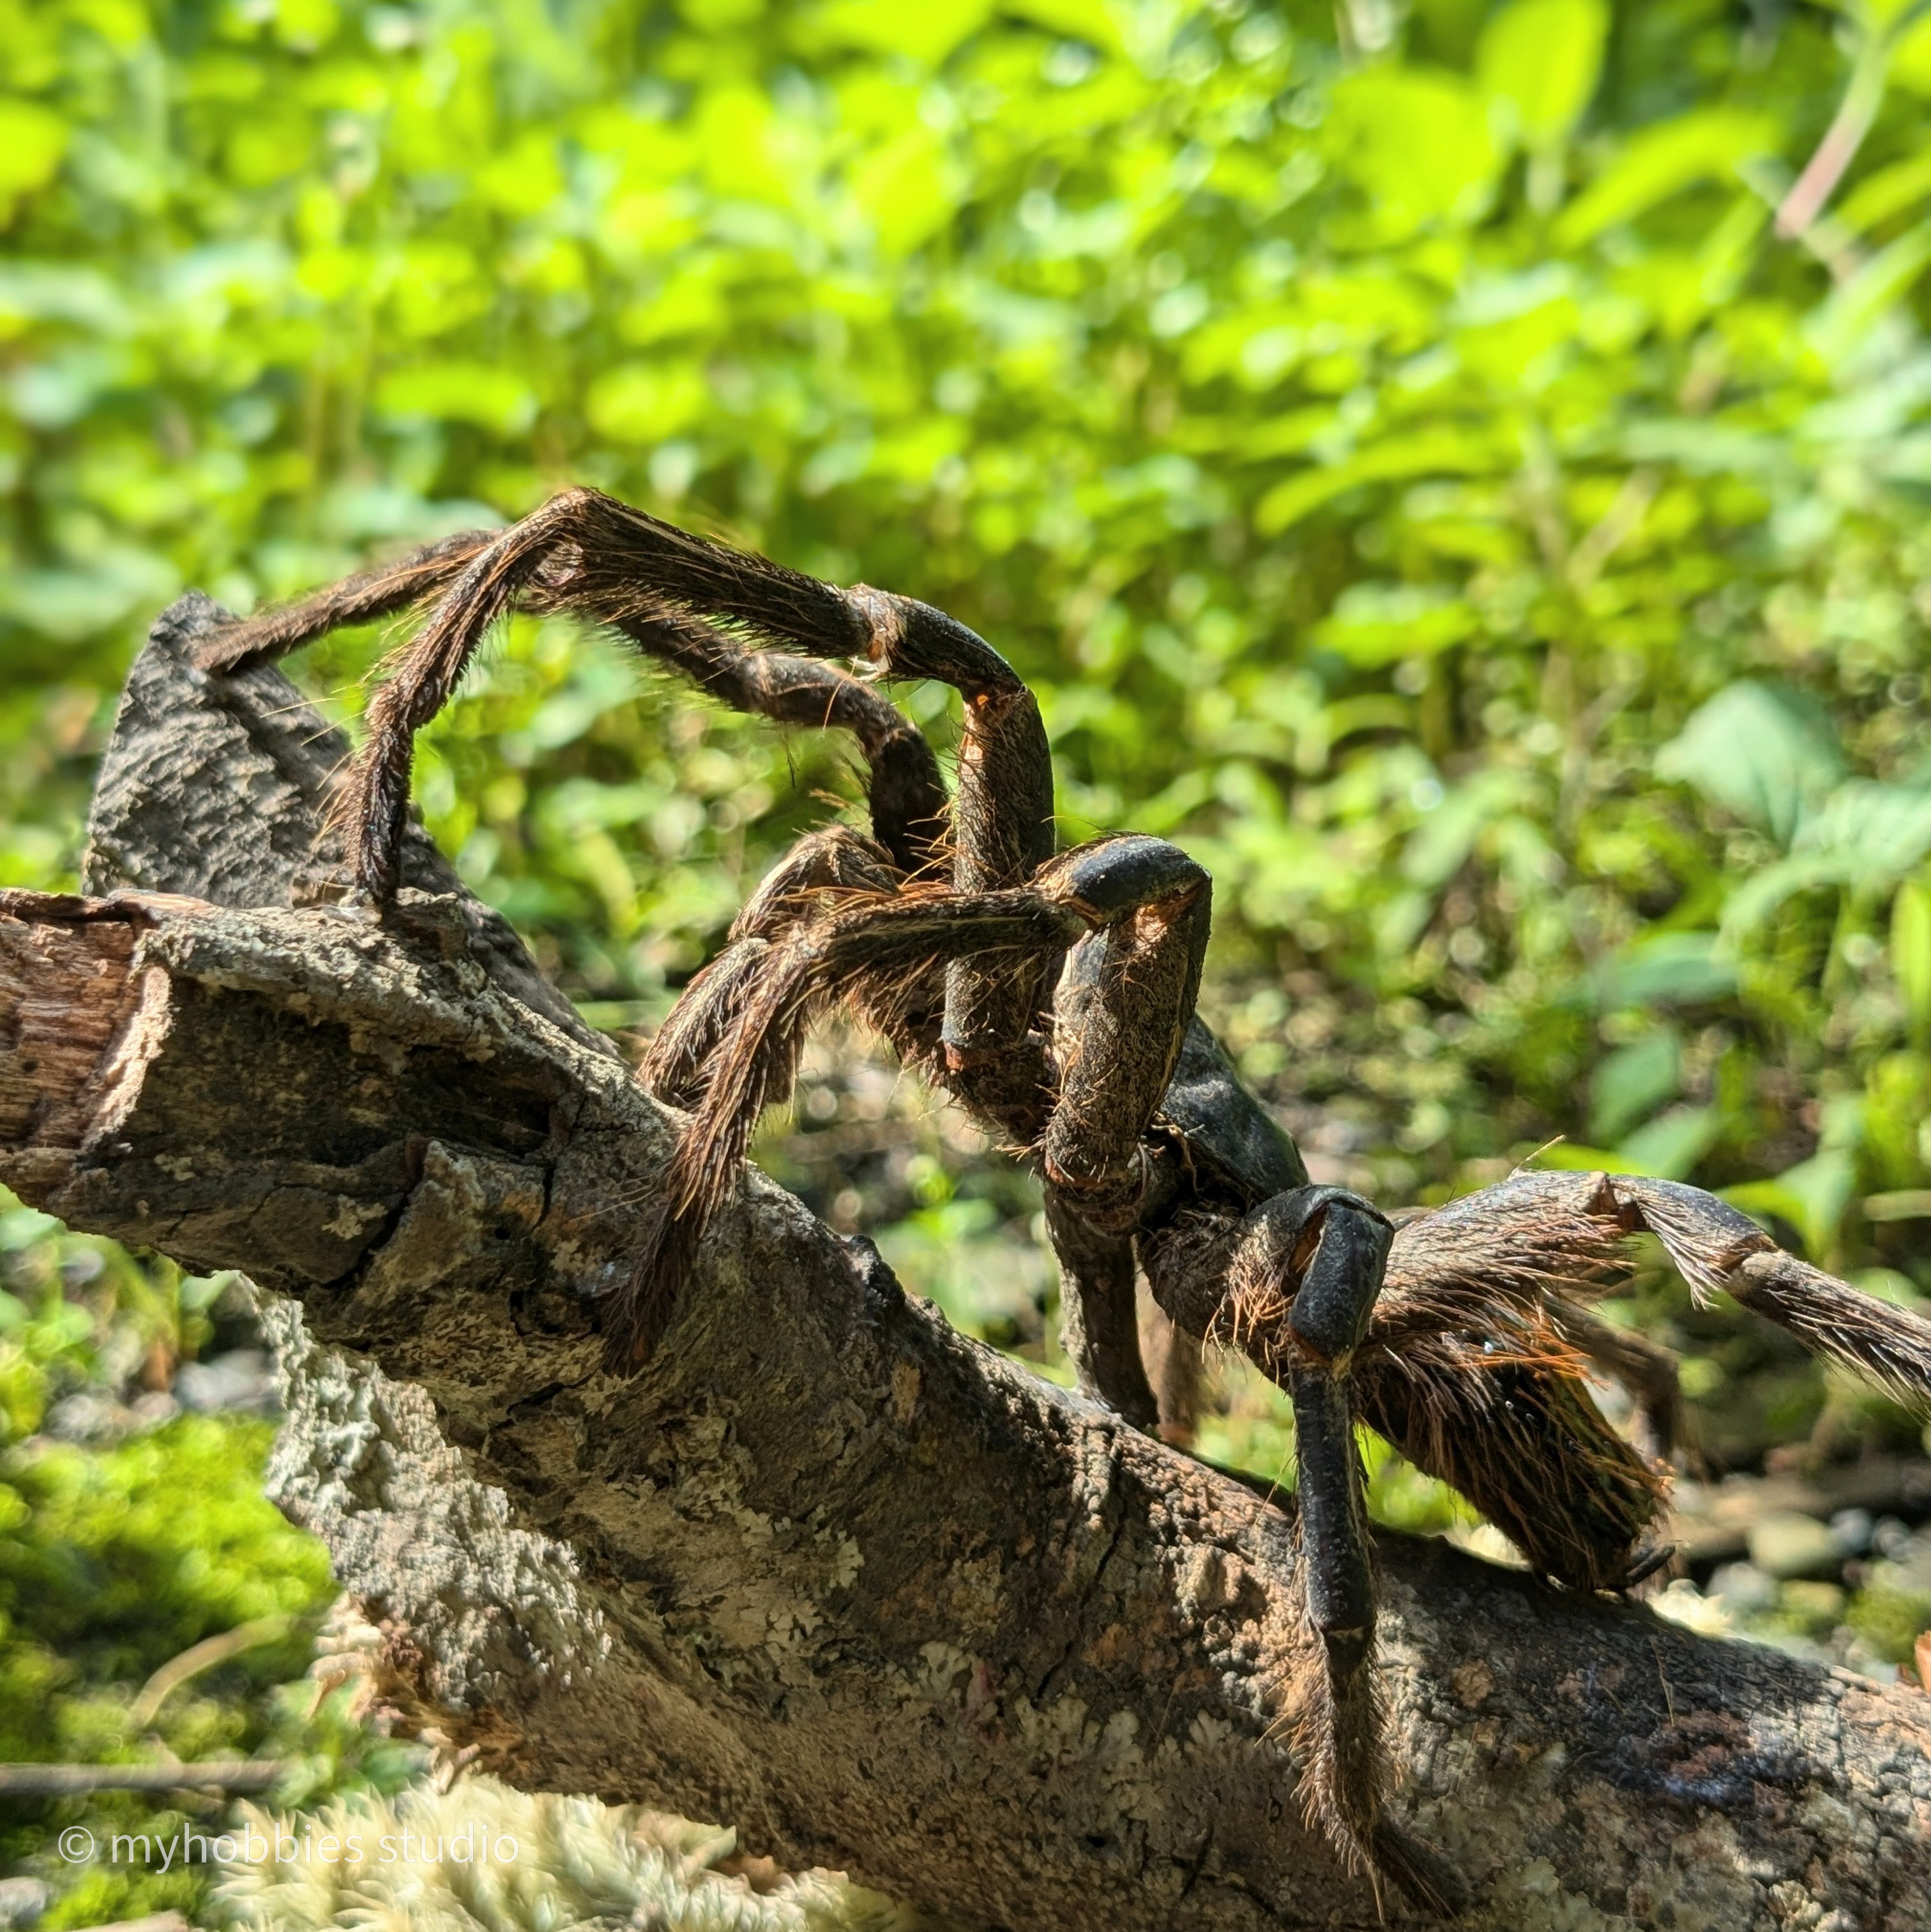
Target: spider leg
x=1098 y=1323
x=1646 y=1368
x=361 y=599
x=1173 y=1362
x=677 y=1069
x=1568 y=1230
x=1473 y=1370
x=1124 y=1001
x=1139 y=909
x=1122 y=1009
x=1002 y=816
x=1464 y=1369
x=1002 y=832
x=586 y=553
x=1715 y=1246
x=873 y=950
x=906 y=798
x=1306 y=1271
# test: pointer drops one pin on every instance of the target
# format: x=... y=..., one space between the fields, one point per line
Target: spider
x=1051 y=994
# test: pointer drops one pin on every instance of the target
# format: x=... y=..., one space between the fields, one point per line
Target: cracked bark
x=825 y=1569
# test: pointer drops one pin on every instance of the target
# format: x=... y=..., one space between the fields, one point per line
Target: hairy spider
x=1052 y=994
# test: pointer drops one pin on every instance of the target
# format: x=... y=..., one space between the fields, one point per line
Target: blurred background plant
x=1457 y=468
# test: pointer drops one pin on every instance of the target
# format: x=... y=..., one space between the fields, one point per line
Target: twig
x=155 y=1921
x=60 y=1780
x=1845 y=135
x=204 y=1656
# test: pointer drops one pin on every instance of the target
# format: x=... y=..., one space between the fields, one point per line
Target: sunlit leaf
x=926 y=33
x=1427 y=452
x=1418 y=141
x=646 y=402
x=1842 y=324
x=1761 y=751
x=1910 y=948
x=1888 y=192
x=1377 y=623
x=1663 y=161
x=1670 y=1146
x=470 y=392
x=1544 y=58
x=32 y=140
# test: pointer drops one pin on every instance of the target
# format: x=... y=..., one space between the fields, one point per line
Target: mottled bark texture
x=825 y=1569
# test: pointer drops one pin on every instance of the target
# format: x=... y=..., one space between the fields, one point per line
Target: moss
x=1889 y=1619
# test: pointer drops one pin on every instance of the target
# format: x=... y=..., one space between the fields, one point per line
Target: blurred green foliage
x=126 y=1538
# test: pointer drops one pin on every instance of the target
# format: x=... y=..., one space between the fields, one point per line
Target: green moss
x=115 y=1559
x=1890 y=1619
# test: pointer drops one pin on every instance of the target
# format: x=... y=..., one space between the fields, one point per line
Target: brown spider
x=1052 y=994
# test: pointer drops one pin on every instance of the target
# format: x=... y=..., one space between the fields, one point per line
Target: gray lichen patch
x=489 y=1605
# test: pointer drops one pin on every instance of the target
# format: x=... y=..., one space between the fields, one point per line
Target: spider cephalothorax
x=1052 y=994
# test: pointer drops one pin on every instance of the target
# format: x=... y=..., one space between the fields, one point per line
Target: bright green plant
x=118 y=1555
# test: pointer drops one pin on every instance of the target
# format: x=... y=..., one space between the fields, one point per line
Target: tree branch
x=826 y=1569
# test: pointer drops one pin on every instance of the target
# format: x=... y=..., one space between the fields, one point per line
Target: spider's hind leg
x=1647 y=1370
x=1715 y=1246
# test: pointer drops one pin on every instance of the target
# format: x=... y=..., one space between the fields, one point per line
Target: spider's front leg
x=679 y=597
x=1306 y=1268
x=1120 y=1014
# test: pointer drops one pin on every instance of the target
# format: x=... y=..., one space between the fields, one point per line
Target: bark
x=825 y=1569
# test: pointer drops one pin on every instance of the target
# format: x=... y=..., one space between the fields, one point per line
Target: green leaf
x=1574 y=1157
x=1543 y=58
x=1672 y=969
x=646 y=402
x=1910 y=948
x=468 y=392
x=1890 y=191
x=1427 y=452
x=1662 y=161
x=1882 y=830
x=926 y=33
x=1843 y=323
x=1766 y=754
x=32 y=140
x=1380 y=623
x=1630 y=1083
x=1910 y=60
x=1814 y=1196
x=1670 y=1146
x=1418 y=142
x=1865 y=836
x=1441 y=843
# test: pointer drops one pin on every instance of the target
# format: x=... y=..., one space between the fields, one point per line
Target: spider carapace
x=1051 y=994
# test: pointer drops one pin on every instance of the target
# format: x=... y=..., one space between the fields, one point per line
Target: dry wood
x=66 y=1780
x=825 y=1569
